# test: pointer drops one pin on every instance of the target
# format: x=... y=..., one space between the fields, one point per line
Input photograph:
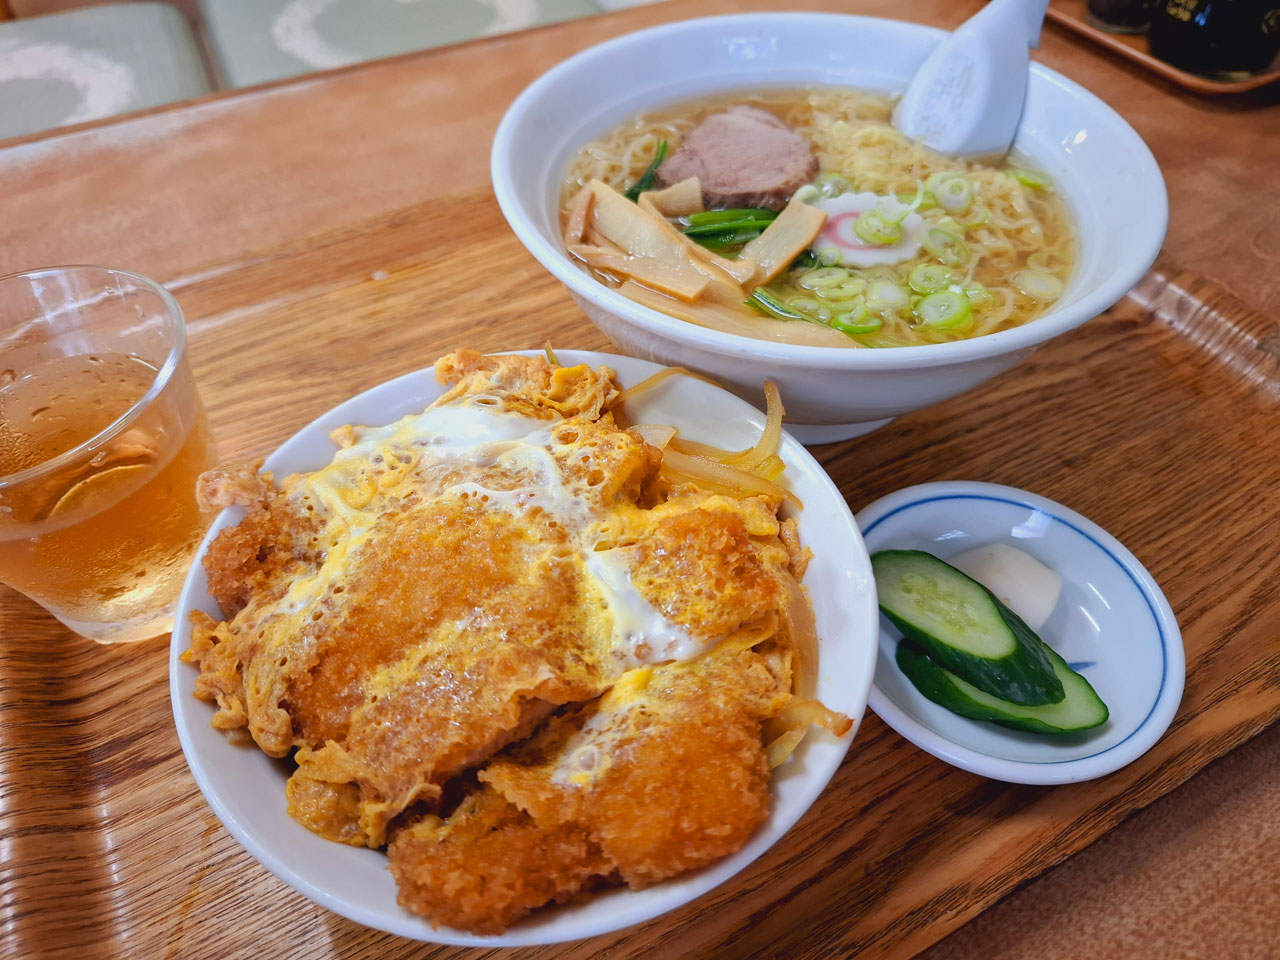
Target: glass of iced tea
x=102 y=436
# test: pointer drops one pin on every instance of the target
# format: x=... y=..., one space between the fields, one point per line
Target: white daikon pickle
x=1023 y=584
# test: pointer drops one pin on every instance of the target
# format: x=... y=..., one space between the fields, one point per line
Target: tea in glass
x=102 y=437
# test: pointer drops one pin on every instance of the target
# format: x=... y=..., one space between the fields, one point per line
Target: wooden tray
x=112 y=852
x=1071 y=15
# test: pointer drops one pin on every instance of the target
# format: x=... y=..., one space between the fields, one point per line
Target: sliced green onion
x=807 y=194
x=853 y=287
x=857 y=319
x=954 y=194
x=979 y=295
x=832 y=185
x=935 y=180
x=650 y=173
x=1035 y=179
x=926 y=199
x=944 y=310
x=928 y=278
x=823 y=277
x=1037 y=285
x=830 y=256
x=851 y=322
x=883 y=295
x=918 y=198
x=946 y=246
x=810 y=309
x=895 y=209
x=855 y=329
x=874 y=228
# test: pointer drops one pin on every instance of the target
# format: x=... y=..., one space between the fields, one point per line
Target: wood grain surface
x=326 y=235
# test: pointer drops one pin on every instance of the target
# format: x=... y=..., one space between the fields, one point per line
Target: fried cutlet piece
x=488 y=864
x=271 y=543
x=404 y=696
x=437 y=625
x=666 y=773
x=711 y=565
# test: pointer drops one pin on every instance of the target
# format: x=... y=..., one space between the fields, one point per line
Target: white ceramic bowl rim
x=1143 y=734
x=1043 y=328
x=844 y=598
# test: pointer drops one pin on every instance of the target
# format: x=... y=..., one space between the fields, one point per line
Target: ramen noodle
x=889 y=244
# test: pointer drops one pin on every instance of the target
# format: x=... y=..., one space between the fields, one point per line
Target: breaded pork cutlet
x=664 y=774
x=489 y=864
x=499 y=636
x=398 y=627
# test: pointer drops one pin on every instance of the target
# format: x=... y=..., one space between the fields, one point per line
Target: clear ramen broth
x=983 y=247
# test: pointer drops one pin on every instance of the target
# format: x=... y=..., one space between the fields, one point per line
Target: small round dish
x=1112 y=624
x=245 y=787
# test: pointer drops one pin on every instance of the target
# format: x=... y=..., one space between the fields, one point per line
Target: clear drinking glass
x=102 y=436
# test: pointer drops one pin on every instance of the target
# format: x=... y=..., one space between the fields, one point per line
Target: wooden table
x=329 y=233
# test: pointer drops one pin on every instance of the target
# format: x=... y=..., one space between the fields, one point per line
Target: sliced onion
x=723 y=477
x=655 y=434
x=783 y=746
x=647 y=384
x=805 y=712
x=694 y=448
x=802 y=629
x=767 y=445
x=771 y=468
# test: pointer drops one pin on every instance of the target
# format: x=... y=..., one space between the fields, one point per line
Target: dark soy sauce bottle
x=1120 y=16
x=1225 y=39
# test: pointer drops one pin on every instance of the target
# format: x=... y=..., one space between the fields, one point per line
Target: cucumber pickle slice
x=1080 y=709
x=965 y=628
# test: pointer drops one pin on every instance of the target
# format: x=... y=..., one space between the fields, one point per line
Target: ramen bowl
x=1110 y=182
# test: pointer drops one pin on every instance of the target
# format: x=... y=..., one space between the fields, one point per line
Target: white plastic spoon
x=966 y=98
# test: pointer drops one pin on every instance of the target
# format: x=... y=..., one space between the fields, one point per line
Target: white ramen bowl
x=1108 y=177
x=245 y=787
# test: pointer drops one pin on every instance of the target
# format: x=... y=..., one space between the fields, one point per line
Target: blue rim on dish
x=1112 y=621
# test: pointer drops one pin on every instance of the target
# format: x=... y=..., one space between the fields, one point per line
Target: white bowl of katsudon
x=523 y=648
